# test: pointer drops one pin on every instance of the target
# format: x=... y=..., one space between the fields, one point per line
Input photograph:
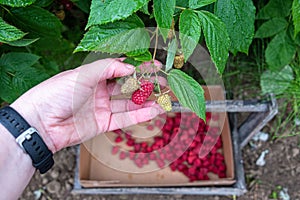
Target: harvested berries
x=164 y=101
x=141 y=95
x=186 y=144
x=179 y=61
x=130 y=85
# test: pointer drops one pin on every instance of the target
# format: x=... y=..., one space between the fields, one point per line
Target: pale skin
x=68 y=109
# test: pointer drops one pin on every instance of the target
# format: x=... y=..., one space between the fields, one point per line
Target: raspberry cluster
x=183 y=138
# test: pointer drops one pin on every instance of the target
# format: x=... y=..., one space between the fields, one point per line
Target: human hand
x=75 y=105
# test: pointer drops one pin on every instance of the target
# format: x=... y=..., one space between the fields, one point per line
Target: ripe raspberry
x=165 y=102
x=179 y=61
x=141 y=95
x=130 y=85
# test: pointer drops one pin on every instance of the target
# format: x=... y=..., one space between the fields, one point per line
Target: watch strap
x=28 y=139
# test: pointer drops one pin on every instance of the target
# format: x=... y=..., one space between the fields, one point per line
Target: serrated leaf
x=22 y=42
x=17 y=75
x=189 y=32
x=195 y=4
x=17 y=3
x=276 y=82
x=144 y=9
x=106 y=11
x=132 y=61
x=280 y=51
x=182 y=3
x=84 y=5
x=37 y=20
x=9 y=33
x=275 y=8
x=296 y=16
x=172 y=48
x=136 y=52
x=239 y=17
x=189 y=93
x=216 y=37
x=16 y=60
x=43 y=3
x=147 y=56
x=163 y=12
x=271 y=27
x=118 y=37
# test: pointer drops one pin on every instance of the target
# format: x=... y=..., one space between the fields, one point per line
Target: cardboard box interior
x=99 y=168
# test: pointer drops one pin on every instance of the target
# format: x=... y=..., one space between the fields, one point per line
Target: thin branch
x=156 y=43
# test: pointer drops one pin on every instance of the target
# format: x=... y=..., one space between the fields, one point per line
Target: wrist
x=31 y=115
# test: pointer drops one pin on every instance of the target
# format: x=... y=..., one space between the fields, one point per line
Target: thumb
x=105 y=69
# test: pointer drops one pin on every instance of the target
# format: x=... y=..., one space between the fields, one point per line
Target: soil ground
x=282 y=170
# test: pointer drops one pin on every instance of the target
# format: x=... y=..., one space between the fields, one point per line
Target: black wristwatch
x=28 y=139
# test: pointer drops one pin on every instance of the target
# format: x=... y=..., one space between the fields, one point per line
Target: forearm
x=16 y=168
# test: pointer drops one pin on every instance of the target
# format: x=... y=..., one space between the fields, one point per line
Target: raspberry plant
x=119 y=26
x=38 y=38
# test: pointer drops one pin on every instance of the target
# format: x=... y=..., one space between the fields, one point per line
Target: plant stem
x=158 y=86
x=156 y=43
x=163 y=72
x=181 y=8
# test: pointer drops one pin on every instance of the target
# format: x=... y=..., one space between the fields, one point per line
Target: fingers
x=122 y=120
x=127 y=105
x=93 y=73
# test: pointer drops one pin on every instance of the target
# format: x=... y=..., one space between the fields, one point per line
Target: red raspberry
x=141 y=95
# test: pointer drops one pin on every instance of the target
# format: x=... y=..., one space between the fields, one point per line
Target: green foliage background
x=37 y=42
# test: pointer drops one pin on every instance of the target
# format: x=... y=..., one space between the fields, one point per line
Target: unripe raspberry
x=165 y=102
x=141 y=95
x=171 y=31
x=130 y=85
x=179 y=61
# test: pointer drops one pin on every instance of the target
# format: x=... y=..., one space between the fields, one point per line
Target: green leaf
x=118 y=37
x=189 y=32
x=38 y=20
x=42 y=3
x=106 y=11
x=275 y=8
x=9 y=33
x=144 y=9
x=271 y=27
x=276 y=82
x=172 y=48
x=17 y=75
x=280 y=51
x=189 y=93
x=239 y=17
x=136 y=52
x=22 y=42
x=84 y=5
x=163 y=13
x=132 y=61
x=182 y=3
x=146 y=56
x=195 y=4
x=296 y=16
x=216 y=37
x=17 y=3
x=16 y=60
